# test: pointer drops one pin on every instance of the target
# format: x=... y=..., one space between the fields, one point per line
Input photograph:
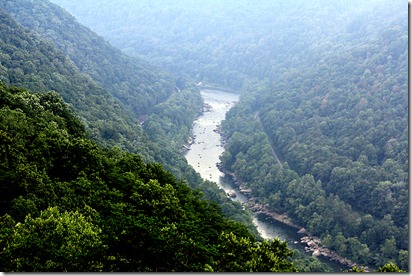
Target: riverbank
x=313 y=244
x=202 y=151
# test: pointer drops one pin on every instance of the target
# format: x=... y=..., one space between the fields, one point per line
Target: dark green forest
x=69 y=205
x=92 y=177
x=30 y=61
x=111 y=120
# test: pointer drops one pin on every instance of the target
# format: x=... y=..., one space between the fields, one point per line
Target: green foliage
x=356 y=269
x=170 y=121
x=203 y=41
x=339 y=134
x=69 y=205
x=390 y=267
x=90 y=77
x=54 y=241
x=31 y=62
x=242 y=254
x=321 y=87
x=135 y=83
x=306 y=263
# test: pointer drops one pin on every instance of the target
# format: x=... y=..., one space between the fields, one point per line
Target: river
x=204 y=155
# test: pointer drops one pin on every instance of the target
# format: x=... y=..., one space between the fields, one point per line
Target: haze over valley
x=103 y=166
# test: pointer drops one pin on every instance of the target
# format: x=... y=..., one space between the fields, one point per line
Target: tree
x=390 y=267
x=339 y=244
x=355 y=269
x=240 y=254
x=54 y=241
x=388 y=249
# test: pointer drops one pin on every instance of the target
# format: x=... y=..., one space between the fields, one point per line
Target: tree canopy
x=69 y=205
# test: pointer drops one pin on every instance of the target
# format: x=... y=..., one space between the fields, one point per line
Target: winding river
x=204 y=155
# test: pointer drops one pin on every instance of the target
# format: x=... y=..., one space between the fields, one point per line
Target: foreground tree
x=240 y=254
x=54 y=241
x=390 y=267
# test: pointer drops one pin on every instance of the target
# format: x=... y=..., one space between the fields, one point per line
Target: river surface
x=204 y=154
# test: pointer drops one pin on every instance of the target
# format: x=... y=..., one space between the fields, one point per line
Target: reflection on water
x=270 y=228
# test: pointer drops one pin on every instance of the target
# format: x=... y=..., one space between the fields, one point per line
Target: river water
x=204 y=154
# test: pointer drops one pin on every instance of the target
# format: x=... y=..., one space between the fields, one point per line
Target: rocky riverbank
x=313 y=243
x=203 y=157
x=263 y=209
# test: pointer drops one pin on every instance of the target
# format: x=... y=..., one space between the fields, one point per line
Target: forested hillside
x=69 y=205
x=138 y=85
x=324 y=86
x=31 y=60
x=345 y=132
x=342 y=129
x=344 y=135
x=28 y=61
x=230 y=42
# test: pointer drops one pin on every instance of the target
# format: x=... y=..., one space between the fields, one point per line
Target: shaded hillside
x=28 y=61
x=138 y=85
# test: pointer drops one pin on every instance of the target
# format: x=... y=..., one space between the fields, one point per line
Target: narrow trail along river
x=203 y=156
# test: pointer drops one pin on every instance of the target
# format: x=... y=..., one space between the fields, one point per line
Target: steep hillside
x=68 y=205
x=138 y=85
x=341 y=127
x=324 y=88
x=230 y=42
x=29 y=61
